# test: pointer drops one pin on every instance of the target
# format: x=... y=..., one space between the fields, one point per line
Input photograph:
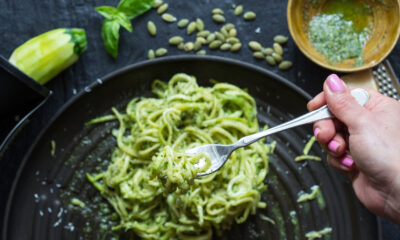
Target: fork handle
x=323 y=112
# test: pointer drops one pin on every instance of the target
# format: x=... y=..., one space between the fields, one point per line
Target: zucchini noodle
x=151 y=183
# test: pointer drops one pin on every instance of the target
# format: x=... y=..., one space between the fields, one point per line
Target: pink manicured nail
x=334 y=83
x=333 y=145
x=348 y=162
x=316 y=131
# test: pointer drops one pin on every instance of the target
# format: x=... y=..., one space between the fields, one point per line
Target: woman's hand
x=363 y=142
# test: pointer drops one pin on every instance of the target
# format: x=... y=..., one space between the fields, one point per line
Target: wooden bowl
x=384 y=34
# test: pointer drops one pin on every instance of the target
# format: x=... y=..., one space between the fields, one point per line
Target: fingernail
x=333 y=145
x=334 y=83
x=348 y=161
x=316 y=131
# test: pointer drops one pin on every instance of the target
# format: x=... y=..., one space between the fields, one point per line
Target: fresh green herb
x=134 y=8
x=110 y=35
x=113 y=14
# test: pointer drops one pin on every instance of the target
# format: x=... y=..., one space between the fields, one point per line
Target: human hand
x=363 y=142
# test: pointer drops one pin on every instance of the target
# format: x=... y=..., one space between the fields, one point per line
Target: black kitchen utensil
x=39 y=208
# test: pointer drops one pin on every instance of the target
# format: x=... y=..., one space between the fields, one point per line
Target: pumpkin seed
x=249 y=16
x=280 y=39
x=188 y=46
x=161 y=52
x=157 y=3
x=218 y=18
x=225 y=47
x=201 y=52
x=236 y=47
x=201 y=40
x=277 y=57
x=199 y=24
x=168 y=17
x=232 y=32
x=211 y=37
x=191 y=28
x=175 y=40
x=228 y=26
x=238 y=10
x=203 y=33
x=183 y=23
x=220 y=36
x=151 y=54
x=180 y=46
x=285 y=65
x=270 y=60
x=255 y=46
x=232 y=40
x=215 y=44
x=161 y=9
x=224 y=32
x=268 y=51
x=196 y=45
x=217 y=11
x=278 y=49
x=151 y=27
x=258 y=55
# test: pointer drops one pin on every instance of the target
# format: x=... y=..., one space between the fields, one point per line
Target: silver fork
x=219 y=153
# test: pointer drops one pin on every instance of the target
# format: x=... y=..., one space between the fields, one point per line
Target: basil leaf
x=133 y=8
x=110 y=35
x=113 y=14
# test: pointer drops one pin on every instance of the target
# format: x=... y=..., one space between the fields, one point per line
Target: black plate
x=36 y=211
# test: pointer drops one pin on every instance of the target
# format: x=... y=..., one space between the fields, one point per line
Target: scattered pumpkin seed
x=218 y=18
x=285 y=65
x=151 y=27
x=255 y=46
x=233 y=32
x=203 y=33
x=249 y=16
x=211 y=37
x=161 y=52
x=196 y=45
x=157 y=3
x=270 y=60
x=161 y=9
x=258 y=55
x=151 y=54
x=236 y=47
x=278 y=49
x=217 y=11
x=168 y=17
x=228 y=26
x=201 y=52
x=238 y=10
x=224 y=32
x=191 y=28
x=199 y=24
x=280 y=39
x=277 y=57
x=215 y=44
x=220 y=36
x=225 y=47
x=232 y=40
x=183 y=23
x=180 y=46
x=175 y=40
x=188 y=46
x=268 y=51
x=201 y=40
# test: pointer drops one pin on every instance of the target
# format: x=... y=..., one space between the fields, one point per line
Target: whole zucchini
x=46 y=55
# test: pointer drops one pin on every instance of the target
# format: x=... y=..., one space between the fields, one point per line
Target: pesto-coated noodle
x=151 y=182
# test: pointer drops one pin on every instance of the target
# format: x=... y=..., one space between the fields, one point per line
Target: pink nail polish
x=333 y=145
x=334 y=83
x=348 y=162
x=316 y=131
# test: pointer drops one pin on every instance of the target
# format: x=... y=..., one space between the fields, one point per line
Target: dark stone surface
x=23 y=19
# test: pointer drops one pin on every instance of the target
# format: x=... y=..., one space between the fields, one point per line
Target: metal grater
x=381 y=78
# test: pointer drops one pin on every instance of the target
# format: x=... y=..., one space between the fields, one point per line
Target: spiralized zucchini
x=151 y=182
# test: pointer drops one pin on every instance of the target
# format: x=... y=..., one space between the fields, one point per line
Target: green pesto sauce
x=341 y=31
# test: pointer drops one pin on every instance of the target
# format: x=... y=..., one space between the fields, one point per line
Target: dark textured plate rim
x=132 y=67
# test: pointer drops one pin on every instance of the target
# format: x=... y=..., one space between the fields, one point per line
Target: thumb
x=341 y=103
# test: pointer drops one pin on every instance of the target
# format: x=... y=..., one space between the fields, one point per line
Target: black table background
x=22 y=19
